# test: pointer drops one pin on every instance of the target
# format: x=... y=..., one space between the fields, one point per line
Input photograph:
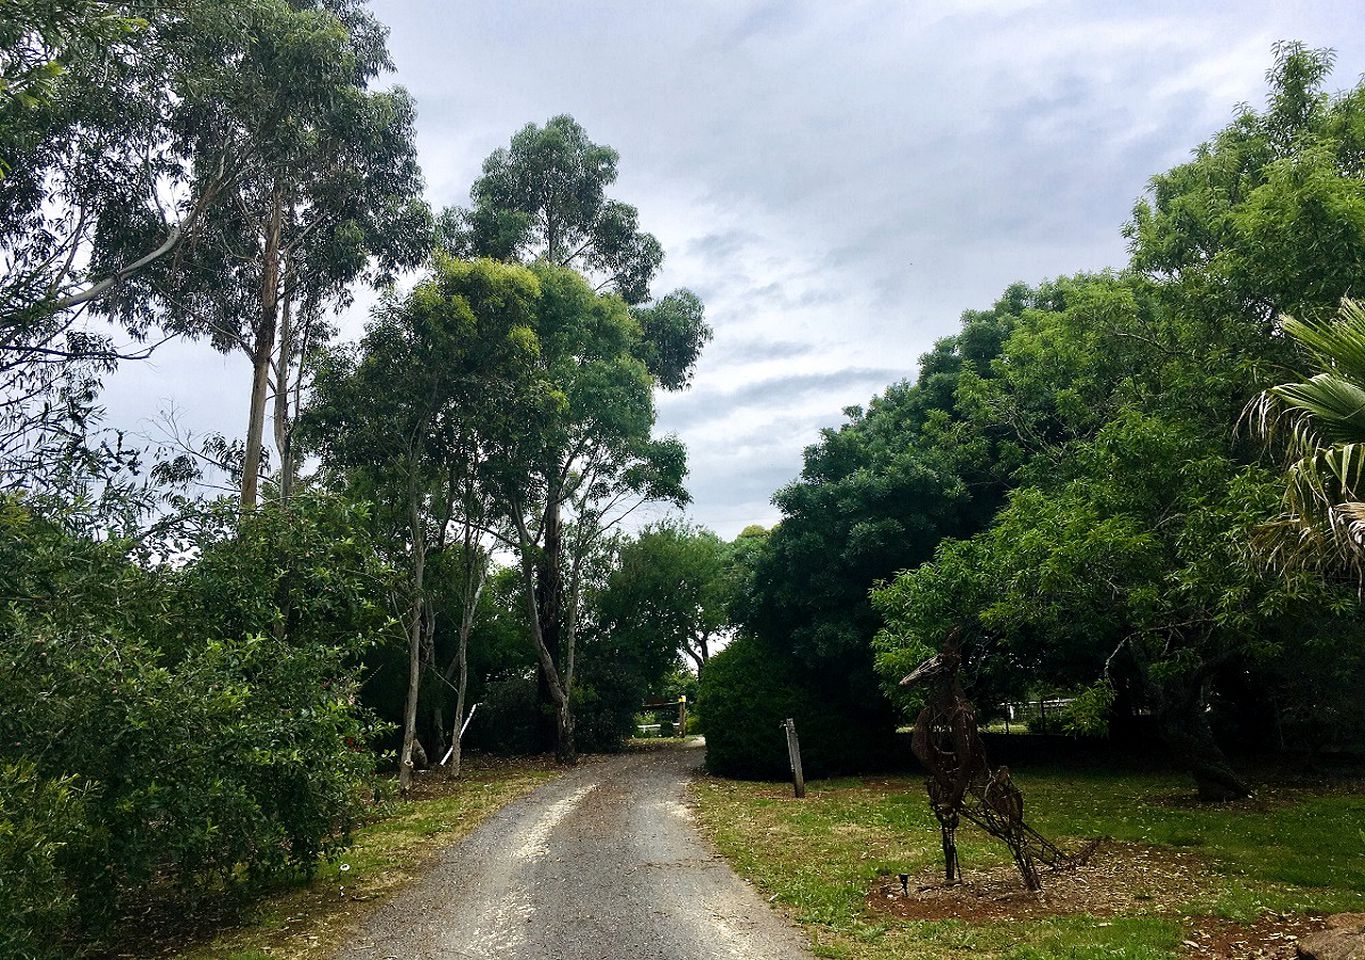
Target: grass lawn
x=310 y=919
x=1292 y=850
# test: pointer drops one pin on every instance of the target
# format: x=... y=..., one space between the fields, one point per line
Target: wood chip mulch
x=1119 y=878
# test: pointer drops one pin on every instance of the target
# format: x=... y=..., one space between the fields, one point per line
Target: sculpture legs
x=947 y=821
x=1027 y=868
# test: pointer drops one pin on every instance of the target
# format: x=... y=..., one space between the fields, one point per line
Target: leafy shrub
x=607 y=696
x=239 y=762
x=1088 y=714
x=748 y=689
x=156 y=731
x=38 y=818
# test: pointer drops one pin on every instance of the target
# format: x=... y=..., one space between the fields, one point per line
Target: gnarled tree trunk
x=1182 y=717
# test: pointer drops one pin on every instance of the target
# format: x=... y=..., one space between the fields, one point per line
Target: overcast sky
x=837 y=180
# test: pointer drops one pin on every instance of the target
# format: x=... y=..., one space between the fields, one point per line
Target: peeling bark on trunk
x=262 y=355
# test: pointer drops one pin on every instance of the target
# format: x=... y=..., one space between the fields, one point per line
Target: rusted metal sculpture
x=961 y=784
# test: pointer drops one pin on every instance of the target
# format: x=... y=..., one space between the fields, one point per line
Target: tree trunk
x=559 y=691
x=549 y=613
x=700 y=652
x=283 y=428
x=262 y=355
x=475 y=576
x=1182 y=717
x=414 y=637
x=565 y=751
x=461 y=689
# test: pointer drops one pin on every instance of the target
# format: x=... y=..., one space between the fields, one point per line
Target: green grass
x=309 y=920
x=1291 y=850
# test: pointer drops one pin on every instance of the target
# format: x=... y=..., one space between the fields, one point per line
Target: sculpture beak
x=925 y=669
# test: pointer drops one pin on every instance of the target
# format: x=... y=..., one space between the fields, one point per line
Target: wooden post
x=794 y=756
x=682 y=716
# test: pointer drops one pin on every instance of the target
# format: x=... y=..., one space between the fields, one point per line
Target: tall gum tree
x=326 y=191
x=95 y=189
x=439 y=375
x=543 y=199
x=583 y=457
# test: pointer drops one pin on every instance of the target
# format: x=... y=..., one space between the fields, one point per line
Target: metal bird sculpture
x=960 y=784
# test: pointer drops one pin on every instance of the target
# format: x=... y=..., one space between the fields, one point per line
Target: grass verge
x=1295 y=848
x=309 y=920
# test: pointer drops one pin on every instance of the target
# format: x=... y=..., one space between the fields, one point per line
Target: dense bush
x=749 y=688
x=38 y=819
x=144 y=749
x=607 y=697
x=239 y=762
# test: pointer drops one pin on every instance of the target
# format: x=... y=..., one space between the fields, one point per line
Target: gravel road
x=602 y=864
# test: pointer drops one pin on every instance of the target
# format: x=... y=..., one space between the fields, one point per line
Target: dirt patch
x=1273 y=937
x=1118 y=878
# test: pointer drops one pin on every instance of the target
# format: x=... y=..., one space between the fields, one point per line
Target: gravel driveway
x=603 y=863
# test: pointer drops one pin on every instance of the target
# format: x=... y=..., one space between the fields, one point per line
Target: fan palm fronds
x=1322 y=424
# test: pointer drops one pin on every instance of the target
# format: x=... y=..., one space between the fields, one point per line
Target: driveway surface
x=602 y=864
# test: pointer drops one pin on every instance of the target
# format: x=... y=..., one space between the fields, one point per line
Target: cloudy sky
x=837 y=180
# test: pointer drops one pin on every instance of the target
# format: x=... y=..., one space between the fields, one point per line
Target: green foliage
x=1121 y=554
x=876 y=496
x=507 y=717
x=544 y=196
x=1088 y=714
x=666 y=597
x=309 y=571
x=1322 y=424
x=164 y=726
x=39 y=819
x=606 y=697
x=244 y=756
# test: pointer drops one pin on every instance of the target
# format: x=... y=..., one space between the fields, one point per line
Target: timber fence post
x=794 y=757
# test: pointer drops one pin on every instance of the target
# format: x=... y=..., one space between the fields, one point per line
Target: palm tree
x=1322 y=421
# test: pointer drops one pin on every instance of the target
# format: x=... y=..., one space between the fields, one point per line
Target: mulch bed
x=1119 y=878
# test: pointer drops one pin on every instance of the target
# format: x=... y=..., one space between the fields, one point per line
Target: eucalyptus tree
x=543 y=197
x=325 y=191
x=215 y=169
x=585 y=459
x=92 y=193
x=440 y=375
